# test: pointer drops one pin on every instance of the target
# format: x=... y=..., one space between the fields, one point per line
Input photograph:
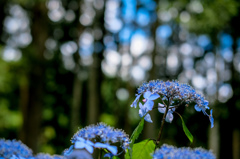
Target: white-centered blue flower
x=82 y=143
x=162 y=109
x=112 y=149
x=134 y=104
x=144 y=110
x=148 y=99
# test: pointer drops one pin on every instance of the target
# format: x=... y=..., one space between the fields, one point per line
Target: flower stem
x=100 y=154
x=162 y=124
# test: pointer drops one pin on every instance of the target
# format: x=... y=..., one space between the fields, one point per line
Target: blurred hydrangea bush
x=113 y=142
x=13 y=149
x=171 y=152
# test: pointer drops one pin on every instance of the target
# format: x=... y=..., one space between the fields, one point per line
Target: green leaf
x=137 y=131
x=127 y=155
x=134 y=136
x=143 y=150
x=185 y=129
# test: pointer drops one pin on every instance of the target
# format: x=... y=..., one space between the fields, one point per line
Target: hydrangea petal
x=79 y=145
x=134 y=104
x=171 y=110
x=212 y=122
x=206 y=104
x=149 y=105
x=169 y=117
x=148 y=118
x=112 y=149
x=197 y=108
x=140 y=105
x=89 y=148
x=67 y=152
x=89 y=142
x=110 y=155
x=162 y=110
x=141 y=112
x=147 y=94
x=100 y=145
x=81 y=139
x=14 y=157
x=211 y=119
x=153 y=96
x=161 y=105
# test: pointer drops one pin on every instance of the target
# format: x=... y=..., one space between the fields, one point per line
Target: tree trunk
x=76 y=102
x=32 y=86
x=94 y=90
x=95 y=74
x=236 y=144
x=214 y=139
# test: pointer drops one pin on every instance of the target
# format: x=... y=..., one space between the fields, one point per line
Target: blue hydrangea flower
x=82 y=143
x=144 y=110
x=149 y=97
x=14 y=149
x=99 y=136
x=78 y=154
x=109 y=155
x=47 y=156
x=162 y=109
x=172 y=92
x=171 y=152
x=211 y=119
x=112 y=149
x=134 y=104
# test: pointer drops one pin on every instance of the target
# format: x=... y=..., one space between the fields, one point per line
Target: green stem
x=162 y=124
x=100 y=154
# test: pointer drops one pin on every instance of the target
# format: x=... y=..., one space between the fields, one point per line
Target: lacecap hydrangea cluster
x=99 y=136
x=172 y=95
x=13 y=149
x=171 y=152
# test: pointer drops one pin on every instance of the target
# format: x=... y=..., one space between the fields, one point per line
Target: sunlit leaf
x=143 y=150
x=127 y=155
x=134 y=136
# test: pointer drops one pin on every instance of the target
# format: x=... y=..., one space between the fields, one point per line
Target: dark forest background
x=65 y=64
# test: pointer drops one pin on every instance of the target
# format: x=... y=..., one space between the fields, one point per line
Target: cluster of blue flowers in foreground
x=99 y=136
x=171 y=152
x=172 y=95
x=47 y=156
x=13 y=149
